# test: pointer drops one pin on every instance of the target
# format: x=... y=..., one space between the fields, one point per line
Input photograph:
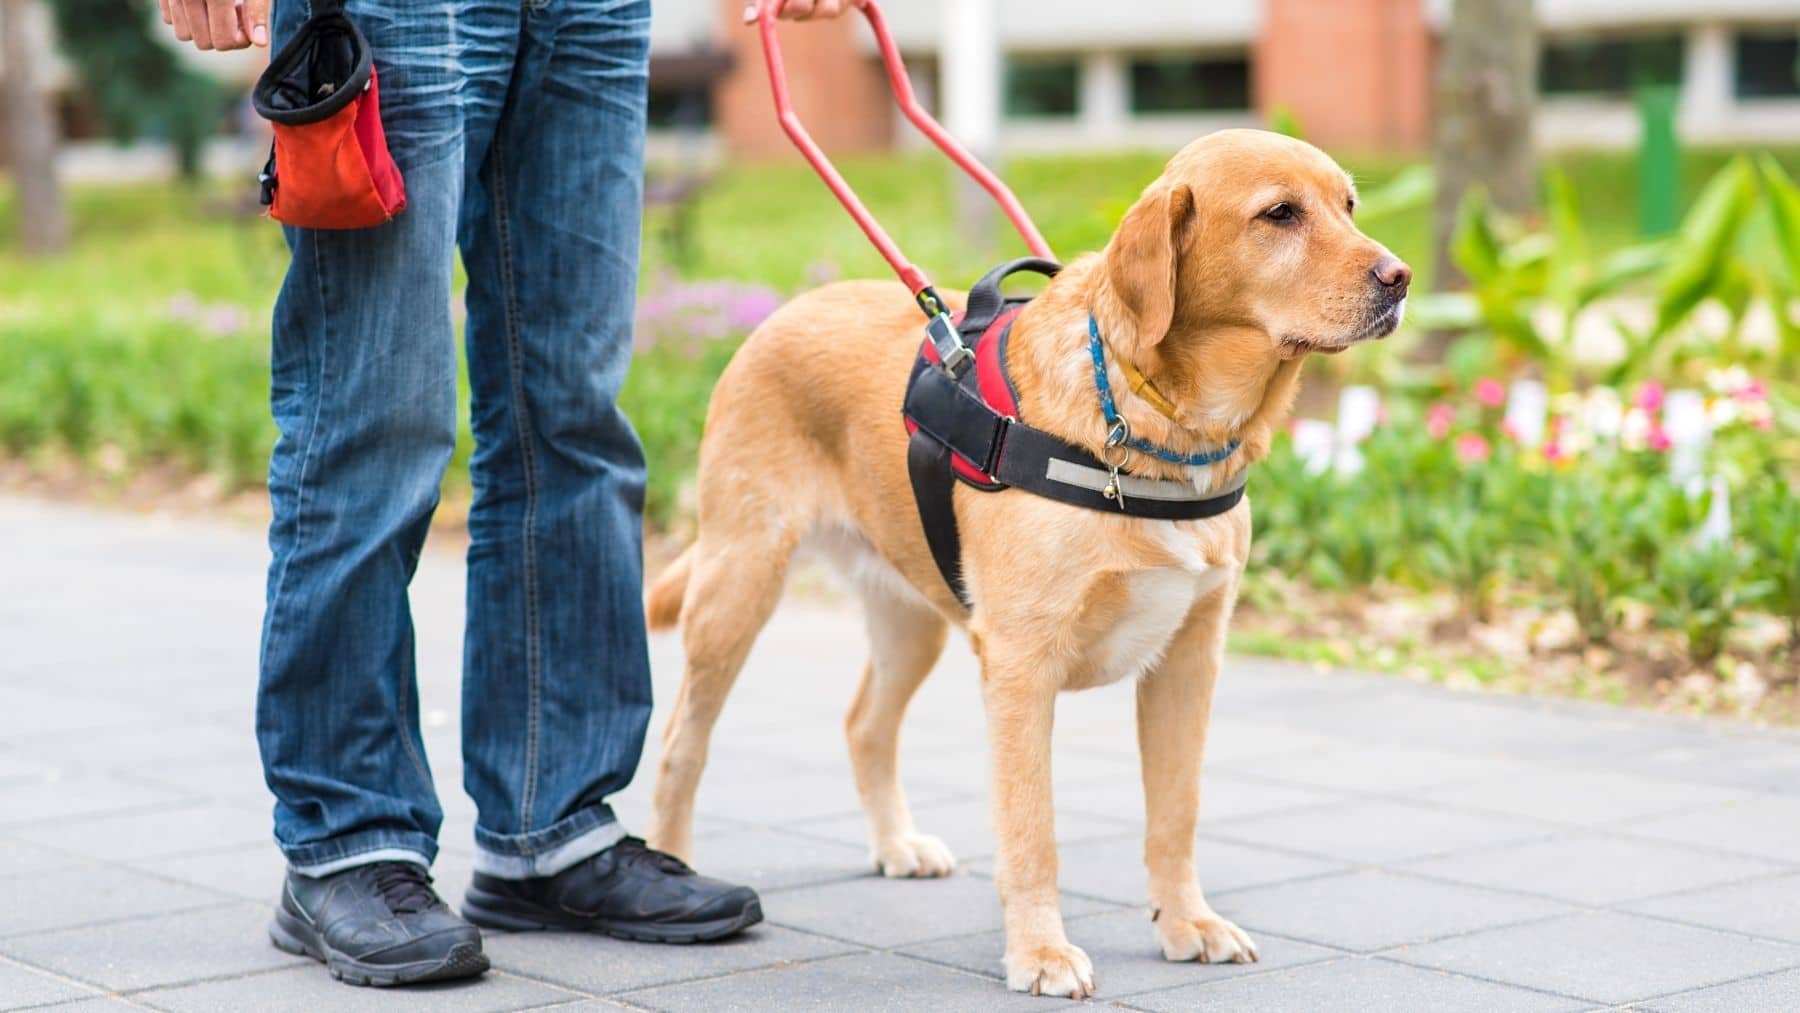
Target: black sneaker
x=379 y=924
x=629 y=891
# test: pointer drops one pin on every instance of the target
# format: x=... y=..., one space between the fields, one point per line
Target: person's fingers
x=162 y=7
x=256 y=21
x=222 y=21
x=751 y=10
x=197 y=24
x=828 y=8
x=178 y=17
x=797 y=10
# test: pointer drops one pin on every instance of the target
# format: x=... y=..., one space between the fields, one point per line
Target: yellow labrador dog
x=1238 y=261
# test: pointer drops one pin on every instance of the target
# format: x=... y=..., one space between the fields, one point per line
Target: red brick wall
x=1356 y=73
x=839 y=91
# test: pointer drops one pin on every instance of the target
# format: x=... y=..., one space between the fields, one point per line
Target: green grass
x=98 y=349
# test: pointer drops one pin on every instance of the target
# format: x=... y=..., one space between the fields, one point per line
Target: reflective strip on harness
x=1134 y=487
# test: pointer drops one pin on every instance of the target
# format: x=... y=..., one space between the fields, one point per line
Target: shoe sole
x=491 y=911
x=291 y=935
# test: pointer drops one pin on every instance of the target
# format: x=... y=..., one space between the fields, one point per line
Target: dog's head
x=1248 y=230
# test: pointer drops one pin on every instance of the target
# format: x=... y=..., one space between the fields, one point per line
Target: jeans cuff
x=365 y=848
x=546 y=852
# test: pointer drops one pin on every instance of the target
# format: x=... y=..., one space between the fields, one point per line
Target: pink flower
x=1438 y=419
x=1553 y=452
x=1649 y=396
x=1754 y=391
x=1490 y=392
x=1658 y=440
x=1472 y=448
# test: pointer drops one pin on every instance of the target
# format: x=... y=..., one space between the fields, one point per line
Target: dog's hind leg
x=905 y=639
x=730 y=594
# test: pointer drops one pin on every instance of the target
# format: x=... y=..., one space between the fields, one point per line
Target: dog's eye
x=1283 y=212
x=1350 y=205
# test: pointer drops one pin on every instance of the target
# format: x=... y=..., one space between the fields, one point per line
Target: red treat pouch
x=330 y=167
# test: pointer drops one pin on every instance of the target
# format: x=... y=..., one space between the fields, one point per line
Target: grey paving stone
x=252 y=873
x=1225 y=796
x=1605 y=956
x=775 y=859
x=310 y=989
x=601 y=965
x=1593 y=869
x=166 y=950
x=1127 y=957
x=104 y=1004
x=160 y=833
x=1354 y=985
x=18 y=858
x=1767 y=992
x=1378 y=830
x=88 y=894
x=1581 y=798
x=875 y=981
x=145 y=744
x=22 y=986
x=25 y=801
x=966 y=825
x=1375 y=768
x=208 y=777
x=1371 y=910
x=1762 y=907
x=1245 y=743
x=1754 y=826
x=885 y=913
x=39 y=711
x=760 y=791
x=1112 y=869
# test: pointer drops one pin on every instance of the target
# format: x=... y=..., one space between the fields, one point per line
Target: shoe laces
x=633 y=850
x=405 y=887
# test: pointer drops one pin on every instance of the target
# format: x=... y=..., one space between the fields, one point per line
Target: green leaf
x=1704 y=246
x=1621 y=269
x=1784 y=211
x=1444 y=311
x=1410 y=189
x=1475 y=247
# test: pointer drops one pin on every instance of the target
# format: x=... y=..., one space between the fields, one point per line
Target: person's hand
x=795 y=10
x=218 y=24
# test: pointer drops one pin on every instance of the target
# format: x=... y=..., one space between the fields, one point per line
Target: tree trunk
x=31 y=125
x=1485 y=89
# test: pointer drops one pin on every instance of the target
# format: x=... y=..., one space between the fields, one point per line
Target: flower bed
x=1646 y=542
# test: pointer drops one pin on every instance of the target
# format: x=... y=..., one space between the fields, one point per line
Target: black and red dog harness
x=963 y=414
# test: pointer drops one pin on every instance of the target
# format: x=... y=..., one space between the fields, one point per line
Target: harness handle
x=913 y=277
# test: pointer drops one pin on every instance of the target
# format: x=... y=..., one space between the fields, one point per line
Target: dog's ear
x=1142 y=265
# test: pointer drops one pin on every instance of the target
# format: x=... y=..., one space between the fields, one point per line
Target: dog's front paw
x=914 y=856
x=1052 y=969
x=1208 y=939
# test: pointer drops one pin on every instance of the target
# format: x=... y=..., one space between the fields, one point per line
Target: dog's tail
x=662 y=606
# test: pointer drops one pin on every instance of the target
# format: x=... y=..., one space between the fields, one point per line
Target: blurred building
x=1353 y=73
x=1075 y=74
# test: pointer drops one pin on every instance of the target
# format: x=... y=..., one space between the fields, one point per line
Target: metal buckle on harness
x=953 y=355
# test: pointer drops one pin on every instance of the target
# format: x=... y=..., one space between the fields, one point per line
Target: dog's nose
x=1393 y=274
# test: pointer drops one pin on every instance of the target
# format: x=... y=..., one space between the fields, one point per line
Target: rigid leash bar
x=952 y=351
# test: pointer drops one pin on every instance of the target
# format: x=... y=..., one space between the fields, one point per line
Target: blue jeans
x=519 y=130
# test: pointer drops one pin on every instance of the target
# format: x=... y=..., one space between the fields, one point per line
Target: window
x=1188 y=84
x=1609 y=66
x=1042 y=87
x=679 y=108
x=1767 y=65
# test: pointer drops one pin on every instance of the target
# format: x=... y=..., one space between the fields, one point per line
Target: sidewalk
x=1389 y=846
